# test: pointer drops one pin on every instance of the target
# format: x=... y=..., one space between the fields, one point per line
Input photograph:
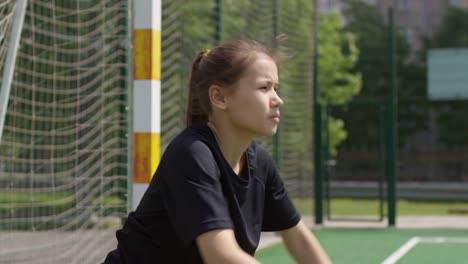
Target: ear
x=217 y=97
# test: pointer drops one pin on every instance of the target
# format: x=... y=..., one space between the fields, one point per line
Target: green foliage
x=452 y=33
x=368 y=25
x=198 y=21
x=371 y=31
x=422 y=124
x=338 y=55
x=337 y=134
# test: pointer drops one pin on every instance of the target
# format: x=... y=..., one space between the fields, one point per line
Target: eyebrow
x=272 y=83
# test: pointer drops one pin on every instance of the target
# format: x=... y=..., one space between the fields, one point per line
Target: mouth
x=276 y=117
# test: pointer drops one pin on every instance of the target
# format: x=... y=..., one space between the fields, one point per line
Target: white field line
x=402 y=251
x=415 y=240
x=444 y=239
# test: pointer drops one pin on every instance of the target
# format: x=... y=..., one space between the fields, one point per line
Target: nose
x=277 y=101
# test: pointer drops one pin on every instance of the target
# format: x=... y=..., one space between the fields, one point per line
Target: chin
x=266 y=130
x=269 y=132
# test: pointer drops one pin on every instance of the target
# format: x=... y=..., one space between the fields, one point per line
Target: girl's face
x=253 y=106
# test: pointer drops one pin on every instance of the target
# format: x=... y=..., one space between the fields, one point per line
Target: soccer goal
x=63 y=150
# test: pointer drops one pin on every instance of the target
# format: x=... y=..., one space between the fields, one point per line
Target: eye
x=264 y=88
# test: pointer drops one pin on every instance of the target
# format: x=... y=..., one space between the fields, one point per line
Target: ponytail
x=195 y=110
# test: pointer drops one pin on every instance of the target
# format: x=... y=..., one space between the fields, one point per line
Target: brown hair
x=224 y=66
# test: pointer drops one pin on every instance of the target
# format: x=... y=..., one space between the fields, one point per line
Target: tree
x=338 y=85
x=369 y=25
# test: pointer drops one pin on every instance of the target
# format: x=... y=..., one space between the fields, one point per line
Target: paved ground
x=90 y=246
x=455 y=222
x=46 y=247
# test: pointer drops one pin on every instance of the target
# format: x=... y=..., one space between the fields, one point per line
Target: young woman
x=215 y=189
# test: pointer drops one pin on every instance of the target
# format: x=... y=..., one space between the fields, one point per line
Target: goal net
x=63 y=153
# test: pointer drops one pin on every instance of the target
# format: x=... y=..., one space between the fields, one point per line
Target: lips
x=276 y=117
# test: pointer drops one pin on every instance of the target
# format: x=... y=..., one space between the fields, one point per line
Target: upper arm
x=279 y=211
x=220 y=246
x=193 y=192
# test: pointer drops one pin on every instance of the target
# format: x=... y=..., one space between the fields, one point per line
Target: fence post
x=392 y=144
x=219 y=19
x=318 y=158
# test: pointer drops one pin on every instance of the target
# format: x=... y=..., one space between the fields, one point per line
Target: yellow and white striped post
x=146 y=94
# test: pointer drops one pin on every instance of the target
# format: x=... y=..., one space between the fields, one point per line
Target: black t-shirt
x=195 y=190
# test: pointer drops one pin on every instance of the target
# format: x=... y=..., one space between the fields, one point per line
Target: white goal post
x=8 y=70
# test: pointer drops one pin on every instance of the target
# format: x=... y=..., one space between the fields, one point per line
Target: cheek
x=253 y=105
x=246 y=111
x=243 y=113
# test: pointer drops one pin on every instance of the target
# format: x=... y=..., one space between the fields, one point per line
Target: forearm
x=309 y=251
x=303 y=245
x=233 y=257
x=220 y=246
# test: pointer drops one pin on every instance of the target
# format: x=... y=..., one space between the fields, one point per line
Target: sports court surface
x=385 y=245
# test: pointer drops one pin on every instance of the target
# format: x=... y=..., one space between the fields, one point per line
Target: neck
x=232 y=144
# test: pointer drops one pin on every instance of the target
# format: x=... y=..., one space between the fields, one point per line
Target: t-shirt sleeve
x=193 y=193
x=280 y=212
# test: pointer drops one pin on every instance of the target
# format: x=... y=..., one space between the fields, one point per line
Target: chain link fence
x=189 y=27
